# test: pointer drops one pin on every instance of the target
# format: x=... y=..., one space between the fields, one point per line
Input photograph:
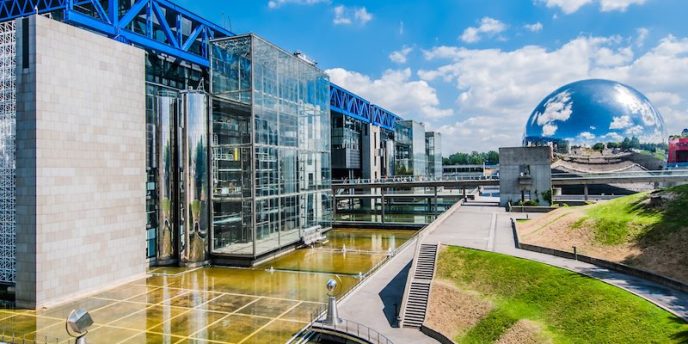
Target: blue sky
x=475 y=69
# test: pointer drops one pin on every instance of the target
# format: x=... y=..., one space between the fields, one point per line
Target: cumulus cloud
x=618 y=5
x=400 y=56
x=621 y=122
x=394 y=90
x=566 y=6
x=535 y=27
x=344 y=15
x=572 y=6
x=272 y=4
x=508 y=84
x=488 y=26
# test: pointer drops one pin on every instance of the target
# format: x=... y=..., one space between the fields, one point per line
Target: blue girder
x=352 y=105
x=164 y=27
x=158 y=25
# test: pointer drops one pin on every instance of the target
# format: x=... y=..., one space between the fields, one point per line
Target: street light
x=77 y=325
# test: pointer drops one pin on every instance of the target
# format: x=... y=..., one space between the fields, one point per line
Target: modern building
x=410 y=152
x=433 y=152
x=677 y=156
x=137 y=133
x=362 y=137
x=525 y=174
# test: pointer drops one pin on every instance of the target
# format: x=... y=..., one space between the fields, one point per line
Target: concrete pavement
x=375 y=303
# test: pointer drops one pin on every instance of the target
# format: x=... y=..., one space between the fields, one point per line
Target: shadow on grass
x=681 y=336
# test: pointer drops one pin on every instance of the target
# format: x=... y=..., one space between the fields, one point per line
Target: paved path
x=489 y=228
x=376 y=302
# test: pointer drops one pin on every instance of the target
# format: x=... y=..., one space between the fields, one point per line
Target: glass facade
x=271 y=143
x=410 y=154
x=8 y=123
x=433 y=147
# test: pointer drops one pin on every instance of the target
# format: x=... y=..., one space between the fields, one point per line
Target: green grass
x=571 y=308
x=628 y=219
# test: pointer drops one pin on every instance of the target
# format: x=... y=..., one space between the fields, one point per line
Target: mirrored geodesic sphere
x=587 y=112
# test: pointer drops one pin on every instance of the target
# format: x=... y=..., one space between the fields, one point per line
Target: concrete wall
x=80 y=165
x=512 y=162
x=371 y=166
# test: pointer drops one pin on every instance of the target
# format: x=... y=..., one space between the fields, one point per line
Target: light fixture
x=77 y=324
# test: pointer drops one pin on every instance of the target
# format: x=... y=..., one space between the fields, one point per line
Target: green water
x=265 y=304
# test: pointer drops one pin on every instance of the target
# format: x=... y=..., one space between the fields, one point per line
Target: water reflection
x=178 y=305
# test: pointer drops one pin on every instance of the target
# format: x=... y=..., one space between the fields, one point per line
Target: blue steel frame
x=104 y=16
x=352 y=105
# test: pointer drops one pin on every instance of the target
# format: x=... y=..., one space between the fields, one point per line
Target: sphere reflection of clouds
x=590 y=111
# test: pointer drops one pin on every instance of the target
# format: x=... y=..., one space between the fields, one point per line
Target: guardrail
x=419 y=239
x=348 y=327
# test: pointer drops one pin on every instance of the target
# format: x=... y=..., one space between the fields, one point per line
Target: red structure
x=678 y=149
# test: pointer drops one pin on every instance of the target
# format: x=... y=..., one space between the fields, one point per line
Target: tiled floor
x=215 y=304
x=195 y=306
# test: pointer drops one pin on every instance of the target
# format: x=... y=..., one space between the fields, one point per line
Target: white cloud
x=566 y=6
x=508 y=85
x=535 y=27
x=642 y=36
x=621 y=122
x=572 y=6
x=394 y=90
x=400 y=56
x=488 y=26
x=348 y=15
x=618 y=5
x=587 y=135
x=272 y=4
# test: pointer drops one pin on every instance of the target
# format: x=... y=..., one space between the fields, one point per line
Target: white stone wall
x=89 y=165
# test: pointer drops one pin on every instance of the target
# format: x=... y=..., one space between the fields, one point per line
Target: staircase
x=419 y=290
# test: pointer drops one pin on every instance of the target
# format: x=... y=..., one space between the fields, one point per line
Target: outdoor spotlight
x=77 y=324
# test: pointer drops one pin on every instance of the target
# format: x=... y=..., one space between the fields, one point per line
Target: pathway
x=487 y=228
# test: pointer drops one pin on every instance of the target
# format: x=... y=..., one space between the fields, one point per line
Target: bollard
x=575 y=253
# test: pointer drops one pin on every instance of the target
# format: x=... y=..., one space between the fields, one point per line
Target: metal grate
x=8 y=121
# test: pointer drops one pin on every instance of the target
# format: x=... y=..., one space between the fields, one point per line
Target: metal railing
x=348 y=327
x=411 y=179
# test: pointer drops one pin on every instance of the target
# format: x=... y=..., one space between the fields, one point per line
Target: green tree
x=598 y=147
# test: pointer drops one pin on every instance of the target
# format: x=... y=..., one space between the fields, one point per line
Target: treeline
x=632 y=143
x=473 y=158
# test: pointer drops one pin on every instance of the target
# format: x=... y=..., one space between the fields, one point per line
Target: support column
x=585 y=192
x=435 y=206
x=382 y=201
x=464 y=193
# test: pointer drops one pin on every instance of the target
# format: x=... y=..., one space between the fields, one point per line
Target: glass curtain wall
x=282 y=103
x=403 y=149
x=433 y=142
x=419 y=153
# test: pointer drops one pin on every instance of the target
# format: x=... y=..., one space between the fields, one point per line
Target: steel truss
x=158 y=25
x=352 y=105
x=8 y=111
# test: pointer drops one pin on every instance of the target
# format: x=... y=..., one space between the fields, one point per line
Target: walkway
x=488 y=228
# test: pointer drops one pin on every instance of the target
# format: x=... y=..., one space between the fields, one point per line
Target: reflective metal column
x=195 y=178
x=168 y=109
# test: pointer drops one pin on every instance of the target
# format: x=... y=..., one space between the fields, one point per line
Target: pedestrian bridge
x=561 y=179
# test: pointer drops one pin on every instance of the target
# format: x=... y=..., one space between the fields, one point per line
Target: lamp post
x=332 y=317
x=77 y=325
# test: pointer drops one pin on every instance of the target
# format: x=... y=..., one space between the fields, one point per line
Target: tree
x=599 y=147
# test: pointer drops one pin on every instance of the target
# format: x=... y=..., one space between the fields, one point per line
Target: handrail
x=369 y=334
x=411 y=275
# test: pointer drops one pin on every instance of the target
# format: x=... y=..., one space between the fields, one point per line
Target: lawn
x=630 y=218
x=569 y=307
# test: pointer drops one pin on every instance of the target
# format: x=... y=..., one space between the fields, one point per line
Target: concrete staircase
x=419 y=289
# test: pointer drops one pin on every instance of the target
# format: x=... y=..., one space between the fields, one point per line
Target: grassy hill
x=647 y=230
x=486 y=297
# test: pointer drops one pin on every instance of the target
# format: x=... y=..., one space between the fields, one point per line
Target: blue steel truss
x=158 y=25
x=352 y=105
